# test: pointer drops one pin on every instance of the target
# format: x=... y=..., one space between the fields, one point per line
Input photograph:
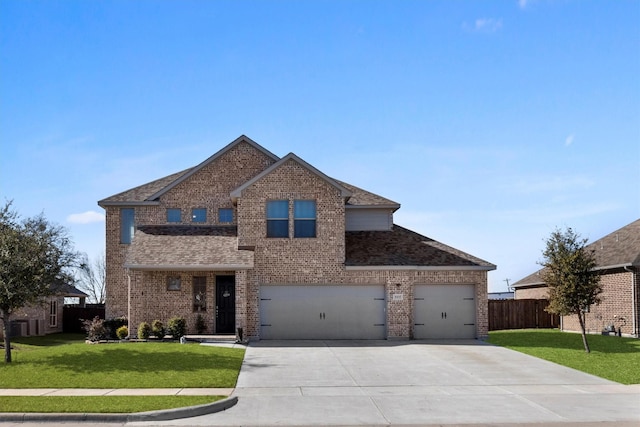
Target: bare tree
x=92 y=278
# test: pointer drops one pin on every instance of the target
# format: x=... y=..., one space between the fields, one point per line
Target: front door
x=225 y=304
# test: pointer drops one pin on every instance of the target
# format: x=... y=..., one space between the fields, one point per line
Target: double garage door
x=359 y=312
x=322 y=312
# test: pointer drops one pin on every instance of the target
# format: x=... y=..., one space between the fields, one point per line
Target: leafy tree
x=92 y=277
x=569 y=271
x=36 y=257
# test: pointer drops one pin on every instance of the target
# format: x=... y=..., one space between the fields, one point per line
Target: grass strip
x=99 y=404
x=613 y=358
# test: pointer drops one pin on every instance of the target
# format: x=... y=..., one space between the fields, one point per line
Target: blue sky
x=491 y=123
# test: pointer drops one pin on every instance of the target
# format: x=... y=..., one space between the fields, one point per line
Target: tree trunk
x=581 y=315
x=6 y=330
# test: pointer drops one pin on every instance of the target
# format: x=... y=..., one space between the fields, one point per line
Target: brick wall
x=616 y=301
x=291 y=260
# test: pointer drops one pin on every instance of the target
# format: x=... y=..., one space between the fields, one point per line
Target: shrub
x=122 y=332
x=112 y=326
x=157 y=327
x=95 y=329
x=201 y=325
x=177 y=327
x=144 y=330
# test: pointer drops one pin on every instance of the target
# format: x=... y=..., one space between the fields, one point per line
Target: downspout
x=128 y=303
x=634 y=297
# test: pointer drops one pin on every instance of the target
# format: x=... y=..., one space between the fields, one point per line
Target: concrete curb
x=161 y=415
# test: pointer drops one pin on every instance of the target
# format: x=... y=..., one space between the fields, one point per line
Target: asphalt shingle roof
x=403 y=247
x=617 y=249
x=187 y=248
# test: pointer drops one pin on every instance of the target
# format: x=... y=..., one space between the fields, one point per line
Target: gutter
x=419 y=268
x=634 y=299
x=199 y=267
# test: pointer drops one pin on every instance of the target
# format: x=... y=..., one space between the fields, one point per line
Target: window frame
x=127 y=225
x=199 y=290
x=272 y=231
x=221 y=217
x=174 y=283
x=202 y=211
x=171 y=211
x=300 y=231
x=53 y=313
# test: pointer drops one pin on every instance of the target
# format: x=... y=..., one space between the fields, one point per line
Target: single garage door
x=322 y=312
x=444 y=312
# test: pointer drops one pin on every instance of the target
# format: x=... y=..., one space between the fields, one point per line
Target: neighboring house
x=276 y=249
x=618 y=259
x=500 y=295
x=44 y=318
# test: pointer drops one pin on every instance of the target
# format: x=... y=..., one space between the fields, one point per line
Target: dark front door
x=225 y=304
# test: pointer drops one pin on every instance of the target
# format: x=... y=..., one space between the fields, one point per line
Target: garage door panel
x=322 y=312
x=444 y=312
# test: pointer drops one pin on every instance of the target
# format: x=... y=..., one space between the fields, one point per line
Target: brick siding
x=318 y=260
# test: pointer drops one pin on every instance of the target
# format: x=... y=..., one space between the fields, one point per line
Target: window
x=173 y=283
x=304 y=218
x=199 y=215
x=199 y=293
x=127 y=217
x=174 y=215
x=278 y=218
x=53 y=313
x=225 y=215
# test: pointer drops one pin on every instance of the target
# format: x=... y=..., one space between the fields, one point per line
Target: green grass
x=99 y=404
x=614 y=358
x=65 y=361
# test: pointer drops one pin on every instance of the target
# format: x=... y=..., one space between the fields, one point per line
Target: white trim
x=200 y=267
x=419 y=268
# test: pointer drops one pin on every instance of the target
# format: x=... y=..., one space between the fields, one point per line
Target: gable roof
x=238 y=191
x=405 y=249
x=150 y=192
x=364 y=199
x=615 y=250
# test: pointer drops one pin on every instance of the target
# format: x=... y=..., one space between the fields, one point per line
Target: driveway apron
x=413 y=383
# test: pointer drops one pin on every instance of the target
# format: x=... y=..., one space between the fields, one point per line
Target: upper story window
x=304 y=218
x=199 y=215
x=174 y=215
x=278 y=218
x=127 y=225
x=225 y=215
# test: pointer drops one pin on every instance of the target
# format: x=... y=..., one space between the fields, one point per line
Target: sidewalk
x=116 y=392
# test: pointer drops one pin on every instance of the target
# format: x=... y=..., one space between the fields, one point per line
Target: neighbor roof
x=615 y=250
x=404 y=248
x=193 y=248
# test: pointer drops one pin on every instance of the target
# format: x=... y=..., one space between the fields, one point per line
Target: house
x=272 y=248
x=45 y=318
x=618 y=259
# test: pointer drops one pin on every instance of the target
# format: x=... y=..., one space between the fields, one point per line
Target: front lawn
x=614 y=358
x=65 y=361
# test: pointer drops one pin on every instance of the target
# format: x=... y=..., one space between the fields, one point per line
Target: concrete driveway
x=414 y=383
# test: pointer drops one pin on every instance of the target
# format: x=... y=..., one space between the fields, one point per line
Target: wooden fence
x=73 y=316
x=520 y=314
